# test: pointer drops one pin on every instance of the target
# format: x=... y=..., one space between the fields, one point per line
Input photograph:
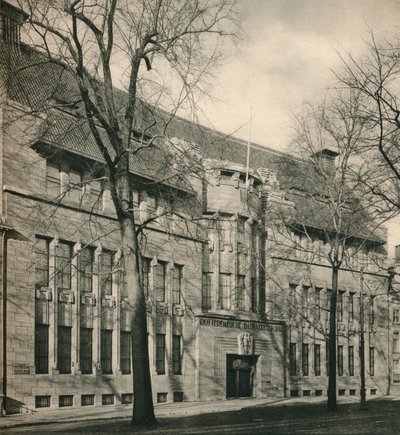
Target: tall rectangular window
x=85 y=270
x=372 y=361
x=340 y=360
x=160 y=282
x=176 y=354
x=241 y=288
x=160 y=354
x=125 y=352
x=41 y=349
x=146 y=264
x=106 y=351
x=41 y=262
x=317 y=360
x=396 y=315
x=253 y=295
x=304 y=359
x=176 y=284
x=317 y=310
x=107 y=260
x=63 y=265
x=351 y=360
x=53 y=179
x=371 y=311
x=292 y=359
x=225 y=290
x=86 y=350
x=340 y=306
x=64 y=349
x=351 y=307
x=75 y=185
x=206 y=290
x=305 y=300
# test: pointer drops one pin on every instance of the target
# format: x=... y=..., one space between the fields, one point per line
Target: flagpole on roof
x=248 y=148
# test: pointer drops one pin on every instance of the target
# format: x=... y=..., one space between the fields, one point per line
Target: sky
x=285 y=58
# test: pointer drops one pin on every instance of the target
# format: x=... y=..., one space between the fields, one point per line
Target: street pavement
x=247 y=416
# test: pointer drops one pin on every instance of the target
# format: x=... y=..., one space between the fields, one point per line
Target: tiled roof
x=46 y=87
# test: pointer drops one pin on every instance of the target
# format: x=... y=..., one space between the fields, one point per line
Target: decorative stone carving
x=245 y=343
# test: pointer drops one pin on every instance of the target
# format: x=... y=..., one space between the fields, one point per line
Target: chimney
x=11 y=18
x=326 y=159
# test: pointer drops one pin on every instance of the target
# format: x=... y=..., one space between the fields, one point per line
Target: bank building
x=231 y=312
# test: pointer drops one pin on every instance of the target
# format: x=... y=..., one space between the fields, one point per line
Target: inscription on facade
x=21 y=369
x=240 y=324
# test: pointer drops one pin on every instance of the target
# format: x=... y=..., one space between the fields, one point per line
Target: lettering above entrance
x=245 y=343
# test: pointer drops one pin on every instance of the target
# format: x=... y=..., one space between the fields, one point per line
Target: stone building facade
x=230 y=313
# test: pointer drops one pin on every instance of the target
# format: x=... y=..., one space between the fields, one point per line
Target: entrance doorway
x=240 y=375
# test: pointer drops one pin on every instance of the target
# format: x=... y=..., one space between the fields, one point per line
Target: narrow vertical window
x=371 y=311
x=225 y=290
x=340 y=306
x=160 y=282
x=304 y=359
x=107 y=259
x=63 y=265
x=160 y=354
x=146 y=264
x=292 y=359
x=317 y=310
x=106 y=351
x=372 y=361
x=305 y=300
x=64 y=349
x=317 y=360
x=176 y=284
x=86 y=350
x=85 y=270
x=75 y=185
x=176 y=354
x=241 y=288
x=41 y=262
x=340 y=360
x=351 y=360
x=253 y=295
x=351 y=307
x=41 y=349
x=53 y=179
x=125 y=352
x=206 y=290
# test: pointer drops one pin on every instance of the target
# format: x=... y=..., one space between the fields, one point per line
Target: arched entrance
x=240 y=371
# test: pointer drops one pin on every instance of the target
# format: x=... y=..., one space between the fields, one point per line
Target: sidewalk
x=161 y=410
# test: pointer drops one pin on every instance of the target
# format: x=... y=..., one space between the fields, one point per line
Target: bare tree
x=86 y=40
x=375 y=76
x=328 y=222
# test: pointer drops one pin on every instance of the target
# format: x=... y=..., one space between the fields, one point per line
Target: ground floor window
x=317 y=360
x=176 y=354
x=340 y=360
x=41 y=349
x=64 y=349
x=351 y=360
x=106 y=351
x=160 y=354
x=125 y=352
x=304 y=359
x=371 y=361
x=86 y=350
x=292 y=359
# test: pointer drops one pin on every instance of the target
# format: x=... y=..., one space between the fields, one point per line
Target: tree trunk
x=332 y=405
x=143 y=410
